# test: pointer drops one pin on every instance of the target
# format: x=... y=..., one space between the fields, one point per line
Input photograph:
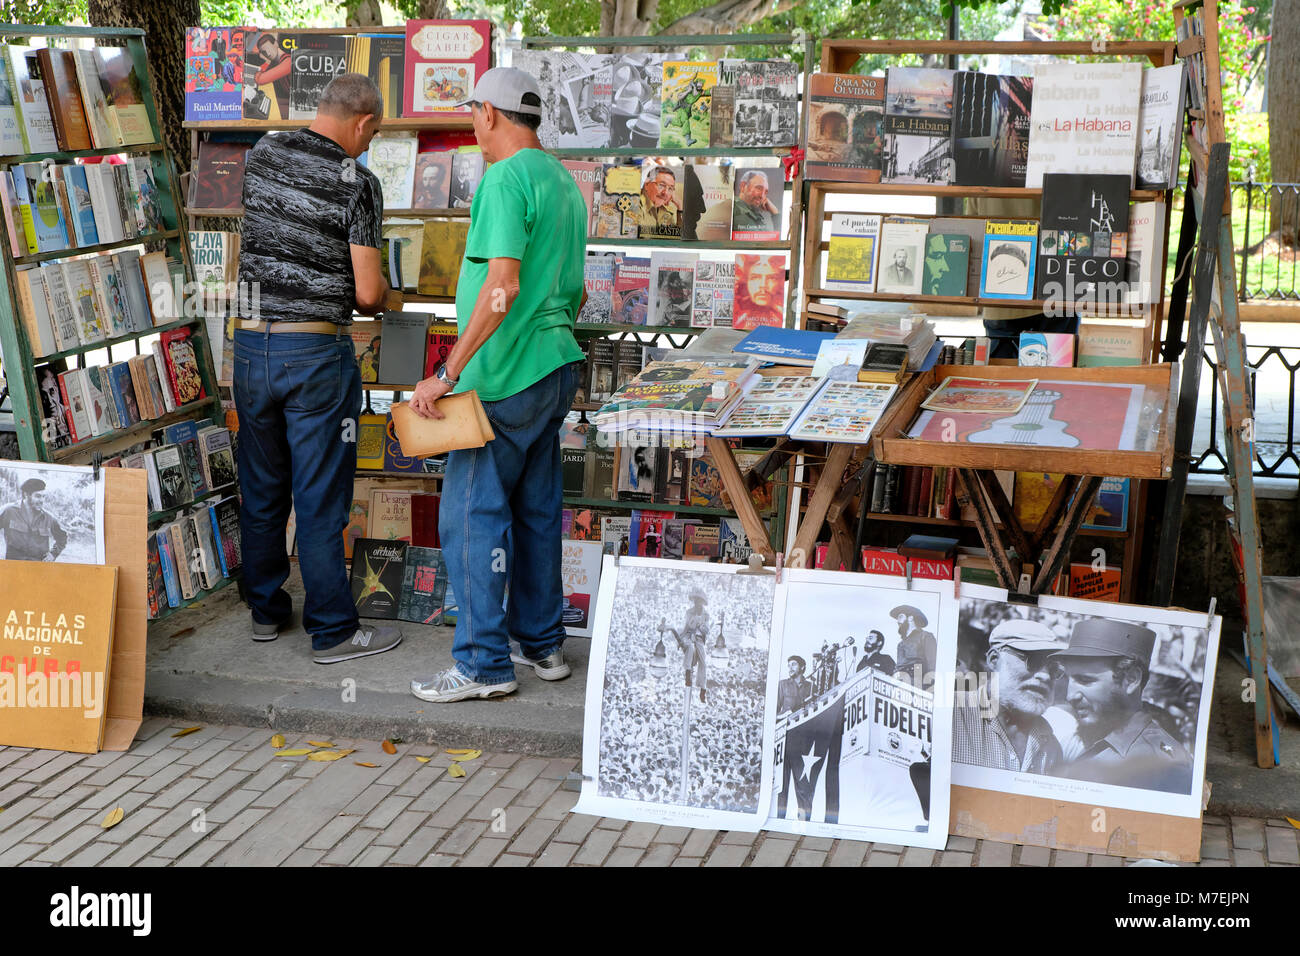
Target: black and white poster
x=51 y=513
x=860 y=747
x=677 y=695
x=1085 y=701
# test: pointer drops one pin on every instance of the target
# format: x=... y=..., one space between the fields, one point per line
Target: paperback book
x=635 y=101
x=1009 y=259
x=766 y=103
x=685 y=97
x=707 y=202
x=1083 y=238
x=760 y=291
x=1084 y=119
x=918 y=126
x=846 y=139
x=714 y=294
x=851 y=258
x=946 y=259
x=902 y=255
x=990 y=128
x=672 y=278
x=630 y=298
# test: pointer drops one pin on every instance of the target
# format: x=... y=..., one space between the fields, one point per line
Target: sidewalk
x=203 y=668
x=220 y=796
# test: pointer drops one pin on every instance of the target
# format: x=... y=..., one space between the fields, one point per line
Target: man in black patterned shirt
x=309 y=258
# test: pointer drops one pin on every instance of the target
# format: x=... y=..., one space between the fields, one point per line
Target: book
x=59 y=74
x=843 y=411
x=990 y=128
x=618 y=204
x=156 y=586
x=1081 y=218
x=770 y=407
x=98 y=404
x=973 y=229
x=766 y=103
x=700 y=541
x=122 y=390
x=1108 y=345
x=101 y=182
x=755 y=212
x=635 y=100
x=902 y=255
x=1009 y=259
x=851 y=255
x=599 y=479
x=64 y=316
x=214 y=73
x=182 y=366
x=85 y=303
x=218 y=180
x=918 y=126
x=383 y=56
x=946 y=258
x=30 y=100
x=722 y=104
x=268 y=64
x=442 y=339
x=672 y=277
x=580 y=578
x=406 y=335
x=587 y=176
x=614 y=533
x=846 y=137
x=1095 y=583
x=128 y=116
x=35 y=311
x=1109 y=512
x=1055 y=349
x=432 y=181
x=760 y=291
x=782 y=346
x=464 y=425
x=598 y=280
x=659 y=215
x=390 y=515
x=1160 y=122
x=225 y=521
x=316 y=59
x=47 y=218
x=707 y=202
x=378 y=569
x=217 y=456
x=685 y=97
x=1144 y=266
x=714 y=294
x=127 y=266
x=409 y=235
x=444 y=59
x=424 y=520
x=466 y=171
x=75 y=404
x=1084 y=119
x=11 y=133
x=442 y=250
x=424 y=586
x=173 y=481
x=585 y=86
x=630 y=298
x=392 y=159
x=204 y=555
x=93 y=101
x=573 y=470
x=372 y=435
x=989 y=396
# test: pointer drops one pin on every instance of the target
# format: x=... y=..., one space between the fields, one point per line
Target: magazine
x=957 y=394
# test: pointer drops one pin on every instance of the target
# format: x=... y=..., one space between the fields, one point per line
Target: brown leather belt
x=261 y=325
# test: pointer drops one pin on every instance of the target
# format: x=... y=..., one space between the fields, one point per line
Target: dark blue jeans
x=299 y=398
x=500 y=516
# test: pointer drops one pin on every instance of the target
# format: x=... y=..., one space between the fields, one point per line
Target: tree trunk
x=726 y=16
x=1283 y=130
x=366 y=14
x=434 y=10
x=628 y=18
x=164 y=37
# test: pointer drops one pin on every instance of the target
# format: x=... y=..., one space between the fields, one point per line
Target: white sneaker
x=451 y=685
x=550 y=667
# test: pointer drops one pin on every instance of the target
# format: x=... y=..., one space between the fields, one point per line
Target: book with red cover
x=424 y=521
x=59 y=68
x=924 y=494
x=950 y=496
x=442 y=339
x=67 y=409
x=912 y=489
x=182 y=366
x=218 y=181
x=444 y=59
x=883 y=561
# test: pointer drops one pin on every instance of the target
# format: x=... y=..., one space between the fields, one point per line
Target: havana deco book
x=1146 y=223
x=990 y=128
x=686 y=96
x=1010 y=259
x=444 y=59
x=1083 y=237
x=1084 y=119
x=851 y=258
x=845 y=127
x=918 y=126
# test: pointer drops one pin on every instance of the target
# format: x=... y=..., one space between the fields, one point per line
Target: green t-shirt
x=527 y=207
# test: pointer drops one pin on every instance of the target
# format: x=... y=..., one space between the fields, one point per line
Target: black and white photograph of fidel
x=681 y=709
x=50 y=513
x=1084 y=694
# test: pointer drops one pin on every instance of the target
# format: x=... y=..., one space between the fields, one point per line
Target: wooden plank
x=968 y=492
x=1099 y=309
x=837 y=459
x=1056 y=556
x=1193 y=44
x=997 y=499
x=455 y=121
x=1035 y=47
x=923 y=189
x=741 y=503
x=1067 y=487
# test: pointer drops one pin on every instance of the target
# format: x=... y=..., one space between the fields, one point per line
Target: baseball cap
x=1104 y=638
x=504 y=87
x=1024 y=635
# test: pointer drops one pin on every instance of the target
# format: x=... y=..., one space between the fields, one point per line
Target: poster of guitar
x=1088 y=415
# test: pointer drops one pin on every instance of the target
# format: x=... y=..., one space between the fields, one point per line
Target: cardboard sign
x=56 y=641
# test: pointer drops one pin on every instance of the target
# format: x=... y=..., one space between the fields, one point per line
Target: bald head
x=349 y=95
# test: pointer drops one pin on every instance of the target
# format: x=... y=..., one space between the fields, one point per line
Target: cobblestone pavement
x=220 y=796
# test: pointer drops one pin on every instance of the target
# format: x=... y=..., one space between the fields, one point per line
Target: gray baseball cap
x=504 y=87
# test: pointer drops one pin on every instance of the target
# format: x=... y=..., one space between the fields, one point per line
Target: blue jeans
x=499 y=516
x=295 y=392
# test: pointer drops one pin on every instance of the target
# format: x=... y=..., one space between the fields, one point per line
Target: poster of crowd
x=677 y=695
x=860 y=746
x=51 y=513
x=1088 y=701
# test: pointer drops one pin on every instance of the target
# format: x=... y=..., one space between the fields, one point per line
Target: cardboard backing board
x=126 y=514
x=1035 y=821
x=890 y=444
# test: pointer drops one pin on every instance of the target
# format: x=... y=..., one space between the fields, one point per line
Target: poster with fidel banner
x=860 y=745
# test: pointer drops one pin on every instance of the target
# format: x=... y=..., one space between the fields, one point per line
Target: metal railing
x=1272 y=371
x=1269 y=269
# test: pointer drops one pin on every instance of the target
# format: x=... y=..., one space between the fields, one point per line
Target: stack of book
x=193 y=553
x=190 y=464
x=683 y=396
x=396 y=580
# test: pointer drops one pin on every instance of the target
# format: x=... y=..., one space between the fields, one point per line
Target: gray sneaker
x=366 y=641
x=451 y=685
x=269 y=632
x=550 y=667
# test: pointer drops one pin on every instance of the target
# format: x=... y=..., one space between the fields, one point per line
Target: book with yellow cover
x=440 y=256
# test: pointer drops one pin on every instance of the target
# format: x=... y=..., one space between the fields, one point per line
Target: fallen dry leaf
x=465 y=754
x=320 y=743
x=424 y=759
x=277 y=741
x=455 y=770
x=186 y=732
x=294 y=752
x=326 y=755
x=1294 y=823
x=362 y=763
x=388 y=746
x=113 y=819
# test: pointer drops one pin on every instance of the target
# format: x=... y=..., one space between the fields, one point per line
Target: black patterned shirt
x=305 y=202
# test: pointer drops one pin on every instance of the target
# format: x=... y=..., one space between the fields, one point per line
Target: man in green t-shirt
x=519 y=292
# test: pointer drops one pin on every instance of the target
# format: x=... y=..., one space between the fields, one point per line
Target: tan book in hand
x=464 y=425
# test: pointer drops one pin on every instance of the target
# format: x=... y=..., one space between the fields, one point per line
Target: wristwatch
x=444 y=376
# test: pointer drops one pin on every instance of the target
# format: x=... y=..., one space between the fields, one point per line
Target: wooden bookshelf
x=118 y=340
x=70 y=155
x=456 y=121
x=100 y=247
x=139 y=430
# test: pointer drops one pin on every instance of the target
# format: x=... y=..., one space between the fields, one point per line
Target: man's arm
x=373 y=292
x=495 y=298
